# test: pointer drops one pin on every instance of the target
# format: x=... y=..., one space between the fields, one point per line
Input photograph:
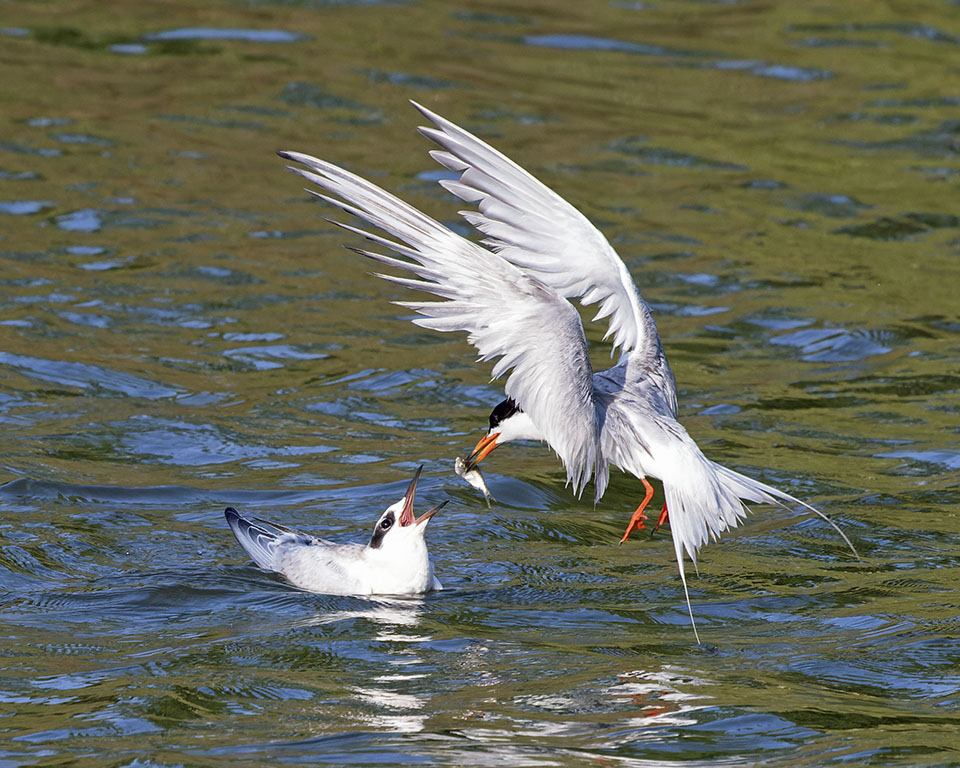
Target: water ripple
x=25 y=207
x=831 y=345
x=245 y=35
x=591 y=43
x=86 y=376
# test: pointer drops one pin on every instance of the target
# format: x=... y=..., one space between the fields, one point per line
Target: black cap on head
x=503 y=411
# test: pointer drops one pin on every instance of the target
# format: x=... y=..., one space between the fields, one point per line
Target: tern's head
x=398 y=530
x=507 y=422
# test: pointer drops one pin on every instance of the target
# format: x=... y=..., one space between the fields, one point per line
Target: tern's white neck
x=519 y=426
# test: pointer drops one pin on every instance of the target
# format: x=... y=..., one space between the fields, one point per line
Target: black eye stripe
x=381 y=530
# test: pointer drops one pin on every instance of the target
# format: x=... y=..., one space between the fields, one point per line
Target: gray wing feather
x=257 y=540
x=262 y=540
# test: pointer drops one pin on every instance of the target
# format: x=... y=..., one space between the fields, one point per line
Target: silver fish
x=473 y=477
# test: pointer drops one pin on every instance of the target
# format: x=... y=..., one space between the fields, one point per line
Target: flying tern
x=394 y=562
x=510 y=293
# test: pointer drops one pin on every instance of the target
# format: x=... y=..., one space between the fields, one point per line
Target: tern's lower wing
x=506 y=313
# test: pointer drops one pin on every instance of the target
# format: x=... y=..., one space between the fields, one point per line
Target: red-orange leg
x=660 y=520
x=637 y=518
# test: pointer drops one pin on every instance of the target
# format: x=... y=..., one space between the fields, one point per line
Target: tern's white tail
x=709 y=499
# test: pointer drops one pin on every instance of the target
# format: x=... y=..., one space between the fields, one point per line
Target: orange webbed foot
x=635 y=524
x=637 y=518
x=664 y=517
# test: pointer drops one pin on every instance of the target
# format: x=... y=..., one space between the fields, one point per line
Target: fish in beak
x=472 y=474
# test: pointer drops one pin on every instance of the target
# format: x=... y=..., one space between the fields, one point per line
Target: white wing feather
x=507 y=314
x=534 y=228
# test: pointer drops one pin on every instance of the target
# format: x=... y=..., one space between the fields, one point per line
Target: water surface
x=181 y=330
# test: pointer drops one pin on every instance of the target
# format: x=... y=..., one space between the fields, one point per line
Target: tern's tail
x=257 y=538
x=708 y=499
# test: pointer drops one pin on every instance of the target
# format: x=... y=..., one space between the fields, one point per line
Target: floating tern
x=395 y=562
x=510 y=294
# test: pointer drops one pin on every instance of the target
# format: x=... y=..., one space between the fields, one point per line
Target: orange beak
x=483 y=449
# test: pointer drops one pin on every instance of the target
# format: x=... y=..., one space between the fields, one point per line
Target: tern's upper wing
x=534 y=228
x=506 y=314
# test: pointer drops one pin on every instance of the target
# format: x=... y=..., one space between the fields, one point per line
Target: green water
x=181 y=330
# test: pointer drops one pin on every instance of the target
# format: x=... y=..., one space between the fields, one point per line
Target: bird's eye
x=386 y=523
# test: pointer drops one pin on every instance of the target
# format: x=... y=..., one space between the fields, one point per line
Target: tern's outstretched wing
x=534 y=228
x=506 y=314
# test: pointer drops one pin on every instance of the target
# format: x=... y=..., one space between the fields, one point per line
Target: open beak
x=482 y=450
x=430 y=513
x=406 y=514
